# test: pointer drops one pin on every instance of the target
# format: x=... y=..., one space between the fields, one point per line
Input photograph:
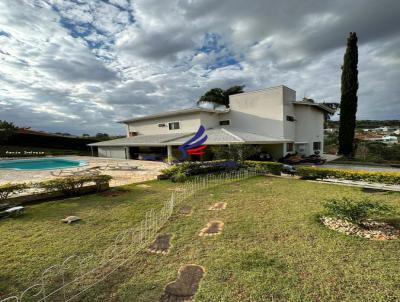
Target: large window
x=225 y=122
x=317 y=145
x=289 y=147
x=173 y=125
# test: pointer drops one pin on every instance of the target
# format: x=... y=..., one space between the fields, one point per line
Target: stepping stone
x=212 y=228
x=186 y=210
x=161 y=244
x=185 y=286
x=218 y=206
x=71 y=219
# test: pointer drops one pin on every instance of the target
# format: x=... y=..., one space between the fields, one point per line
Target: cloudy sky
x=79 y=66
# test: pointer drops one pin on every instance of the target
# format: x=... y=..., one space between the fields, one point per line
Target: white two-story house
x=270 y=118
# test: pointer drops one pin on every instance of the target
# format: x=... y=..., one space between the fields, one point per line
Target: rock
x=71 y=219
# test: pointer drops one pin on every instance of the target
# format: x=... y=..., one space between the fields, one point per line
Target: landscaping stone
x=71 y=219
x=161 y=244
x=368 y=229
x=212 y=228
x=185 y=286
x=218 y=206
x=186 y=210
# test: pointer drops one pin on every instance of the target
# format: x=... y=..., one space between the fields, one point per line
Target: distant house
x=270 y=118
x=373 y=137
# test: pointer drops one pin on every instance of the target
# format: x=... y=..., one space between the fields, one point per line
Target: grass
x=272 y=247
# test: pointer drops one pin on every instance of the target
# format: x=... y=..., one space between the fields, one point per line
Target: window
x=133 y=133
x=317 y=145
x=290 y=118
x=173 y=125
x=161 y=125
x=225 y=123
x=289 y=147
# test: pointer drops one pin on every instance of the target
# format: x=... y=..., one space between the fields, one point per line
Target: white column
x=169 y=152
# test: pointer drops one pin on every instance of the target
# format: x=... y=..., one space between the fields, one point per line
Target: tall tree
x=348 y=103
x=219 y=95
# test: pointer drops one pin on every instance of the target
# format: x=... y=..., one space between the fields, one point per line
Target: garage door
x=112 y=152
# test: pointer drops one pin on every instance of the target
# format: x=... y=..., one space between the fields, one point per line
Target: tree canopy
x=348 y=103
x=219 y=95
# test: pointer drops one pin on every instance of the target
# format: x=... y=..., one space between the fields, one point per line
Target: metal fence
x=75 y=275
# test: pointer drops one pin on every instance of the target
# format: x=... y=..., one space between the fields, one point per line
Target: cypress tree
x=348 y=103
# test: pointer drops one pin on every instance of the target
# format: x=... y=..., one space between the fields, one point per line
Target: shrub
x=72 y=185
x=196 y=168
x=392 y=178
x=179 y=177
x=355 y=211
x=9 y=189
x=272 y=167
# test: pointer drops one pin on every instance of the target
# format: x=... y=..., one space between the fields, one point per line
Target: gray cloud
x=149 y=58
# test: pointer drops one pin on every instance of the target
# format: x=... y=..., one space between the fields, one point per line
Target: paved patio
x=147 y=170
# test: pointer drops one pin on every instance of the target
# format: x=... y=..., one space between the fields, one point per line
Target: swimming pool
x=40 y=164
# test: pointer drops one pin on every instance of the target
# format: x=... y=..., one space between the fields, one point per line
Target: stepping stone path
x=186 y=210
x=218 y=206
x=185 y=286
x=71 y=219
x=161 y=244
x=212 y=228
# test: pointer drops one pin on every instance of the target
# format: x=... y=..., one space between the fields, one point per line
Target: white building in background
x=270 y=118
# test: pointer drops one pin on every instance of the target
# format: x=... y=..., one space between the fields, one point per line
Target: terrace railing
x=75 y=275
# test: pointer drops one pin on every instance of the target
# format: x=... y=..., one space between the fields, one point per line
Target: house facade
x=269 y=118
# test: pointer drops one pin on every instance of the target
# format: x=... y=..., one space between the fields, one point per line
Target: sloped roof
x=215 y=137
x=176 y=112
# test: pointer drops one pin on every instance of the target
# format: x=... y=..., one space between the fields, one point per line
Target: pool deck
x=147 y=170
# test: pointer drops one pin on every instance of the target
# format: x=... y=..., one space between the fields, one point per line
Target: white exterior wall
x=309 y=126
x=289 y=96
x=112 y=152
x=188 y=123
x=259 y=112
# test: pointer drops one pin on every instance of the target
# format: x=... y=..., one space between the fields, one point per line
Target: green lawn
x=272 y=247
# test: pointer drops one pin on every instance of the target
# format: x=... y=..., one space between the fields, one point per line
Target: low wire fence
x=68 y=280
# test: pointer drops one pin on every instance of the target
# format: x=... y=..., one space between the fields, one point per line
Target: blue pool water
x=40 y=164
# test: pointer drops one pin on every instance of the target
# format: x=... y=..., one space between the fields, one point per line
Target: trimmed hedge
x=72 y=185
x=10 y=189
x=270 y=166
x=197 y=168
x=392 y=178
x=69 y=185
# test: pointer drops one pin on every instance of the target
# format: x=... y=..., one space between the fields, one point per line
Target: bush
x=72 y=185
x=392 y=178
x=355 y=211
x=9 y=189
x=179 y=177
x=270 y=166
x=197 y=168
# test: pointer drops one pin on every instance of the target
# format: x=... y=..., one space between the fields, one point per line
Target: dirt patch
x=185 y=286
x=218 y=206
x=374 y=190
x=114 y=193
x=186 y=210
x=161 y=244
x=368 y=229
x=212 y=228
